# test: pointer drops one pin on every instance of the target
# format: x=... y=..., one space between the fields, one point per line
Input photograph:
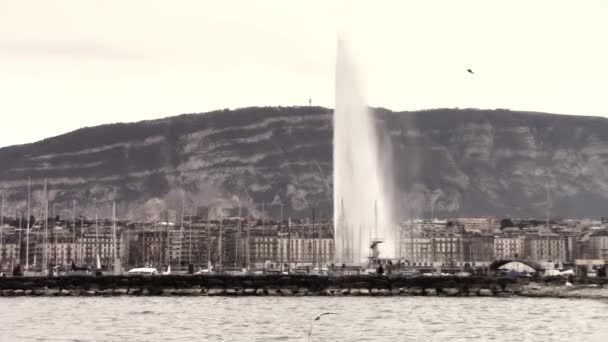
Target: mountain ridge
x=470 y=162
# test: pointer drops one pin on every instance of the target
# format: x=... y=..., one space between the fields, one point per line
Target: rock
x=249 y=292
x=145 y=292
x=374 y=292
x=473 y=291
x=417 y=291
x=187 y=292
x=364 y=292
x=450 y=291
x=513 y=288
x=121 y=291
x=430 y=292
x=260 y=292
x=105 y=292
x=216 y=291
x=88 y=293
x=167 y=292
x=286 y=291
x=230 y=292
x=51 y=292
x=19 y=292
x=64 y=292
x=395 y=292
x=75 y=293
x=354 y=292
x=38 y=292
x=345 y=292
x=384 y=292
x=8 y=293
x=135 y=292
x=326 y=292
x=28 y=292
x=485 y=292
x=272 y=291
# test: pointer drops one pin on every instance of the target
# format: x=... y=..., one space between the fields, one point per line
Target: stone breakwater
x=194 y=285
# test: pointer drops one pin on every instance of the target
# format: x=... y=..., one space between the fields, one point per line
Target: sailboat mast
x=248 y=249
x=114 y=254
x=46 y=227
x=2 y=223
x=73 y=244
x=359 y=249
x=342 y=231
x=238 y=239
x=220 y=243
x=314 y=241
x=288 y=244
x=80 y=242
x=143 y=245
x=190 y=238
x=208 y=242
x=96 y=235
x=181 y=240
x=27 y=230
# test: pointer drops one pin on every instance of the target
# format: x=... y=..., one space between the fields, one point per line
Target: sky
x=71 y=64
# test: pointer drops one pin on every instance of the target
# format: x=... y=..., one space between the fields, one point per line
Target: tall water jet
x=362 y=212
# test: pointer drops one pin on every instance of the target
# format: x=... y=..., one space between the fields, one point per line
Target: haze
x=69 y=64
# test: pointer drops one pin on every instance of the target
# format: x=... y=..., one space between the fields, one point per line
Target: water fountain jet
x=360 y=183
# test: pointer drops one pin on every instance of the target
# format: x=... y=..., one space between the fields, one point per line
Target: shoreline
x=300 y=286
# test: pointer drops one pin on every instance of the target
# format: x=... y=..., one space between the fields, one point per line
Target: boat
x=168 y=270
x=79 y=271
x=143 y=271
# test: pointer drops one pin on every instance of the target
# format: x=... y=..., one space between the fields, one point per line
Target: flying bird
x=470 y=71
x=318 y=317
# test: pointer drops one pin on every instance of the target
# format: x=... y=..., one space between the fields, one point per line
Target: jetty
x=303 y=285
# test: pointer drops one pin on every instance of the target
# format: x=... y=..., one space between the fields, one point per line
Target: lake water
x=289 y=319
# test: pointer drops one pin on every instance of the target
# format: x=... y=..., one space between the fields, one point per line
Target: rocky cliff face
x=458 y=162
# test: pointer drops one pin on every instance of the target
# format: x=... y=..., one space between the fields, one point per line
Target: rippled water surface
x=289 y=319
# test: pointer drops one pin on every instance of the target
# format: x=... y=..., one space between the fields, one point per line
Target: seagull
x=470 y=71
x=318 y=317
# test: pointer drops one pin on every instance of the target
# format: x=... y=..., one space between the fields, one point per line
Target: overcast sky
x=69 y=64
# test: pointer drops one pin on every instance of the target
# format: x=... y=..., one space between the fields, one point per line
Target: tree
x=504 y=223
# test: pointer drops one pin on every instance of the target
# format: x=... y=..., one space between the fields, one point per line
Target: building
x=545 y=248
x=305 y=250
x=597 y=245
x=478 y=248
x=417 y=251
x=100 y=243
x=479 y=225
x=9 y=254
x=447 y=248
x=264 y=247
x=508 y=246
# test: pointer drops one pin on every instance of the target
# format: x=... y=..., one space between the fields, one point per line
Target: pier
x=302 y=285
